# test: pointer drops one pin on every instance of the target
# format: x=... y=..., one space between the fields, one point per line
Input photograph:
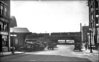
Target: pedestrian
x=77 y=46
x=13 y=50
x=86 y=45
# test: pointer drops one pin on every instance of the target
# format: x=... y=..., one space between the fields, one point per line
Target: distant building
x=39 y=36
x=4 y=24
x=18 y=36
x=85 y=33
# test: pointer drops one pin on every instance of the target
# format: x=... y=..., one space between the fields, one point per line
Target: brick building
x=94 y=21
x=4 y=24
x=18 y=36
x=85 y=33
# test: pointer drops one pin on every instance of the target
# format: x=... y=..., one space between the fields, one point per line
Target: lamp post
x=90 y=23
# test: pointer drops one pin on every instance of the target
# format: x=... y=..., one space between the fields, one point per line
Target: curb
x=10 y=54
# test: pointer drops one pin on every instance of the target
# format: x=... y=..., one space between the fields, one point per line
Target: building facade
x=85 y=30
x=4 y=24
x=17 y=37
x=94 y=21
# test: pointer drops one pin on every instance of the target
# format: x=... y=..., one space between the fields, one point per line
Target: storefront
x=17 y=37
x=4 y=35
x=4 y=24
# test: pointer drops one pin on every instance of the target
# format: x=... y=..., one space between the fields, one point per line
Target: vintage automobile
x=51 y=45
x=34 y=45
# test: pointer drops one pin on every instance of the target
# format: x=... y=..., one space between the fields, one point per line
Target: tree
x=13 y=22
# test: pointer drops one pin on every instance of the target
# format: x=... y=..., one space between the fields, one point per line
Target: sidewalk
x=9 y=53
x=94 y=56
x=94 y=52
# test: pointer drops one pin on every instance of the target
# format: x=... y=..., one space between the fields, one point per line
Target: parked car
x=34 y=45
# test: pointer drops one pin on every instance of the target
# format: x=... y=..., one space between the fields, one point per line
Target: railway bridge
x=75 y=36
x=55 y=37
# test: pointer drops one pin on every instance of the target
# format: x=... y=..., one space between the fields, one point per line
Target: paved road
x=62 y=53
x=38 y=58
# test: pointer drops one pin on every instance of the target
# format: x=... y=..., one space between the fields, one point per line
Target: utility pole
x=81 y=35
x=90 y=42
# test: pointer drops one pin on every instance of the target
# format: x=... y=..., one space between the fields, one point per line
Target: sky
x=50 y=16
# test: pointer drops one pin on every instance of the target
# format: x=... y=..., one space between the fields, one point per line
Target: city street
x=49 y=31
x=61 y=53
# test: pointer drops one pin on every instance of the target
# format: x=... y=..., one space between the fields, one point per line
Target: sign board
x=69 y=41
x=14 y=35
x=61 y=41
x=4 y=33
x=3 y=19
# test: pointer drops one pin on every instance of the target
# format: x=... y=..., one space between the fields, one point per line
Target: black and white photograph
x=49 y=30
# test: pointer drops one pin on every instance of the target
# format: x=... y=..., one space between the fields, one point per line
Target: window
x=96 y=3
x=1 y=26
x=5 y=27
x=97 y=12
x=1 y=9
x=5 y=11
x=92 y=9
x=96 y=20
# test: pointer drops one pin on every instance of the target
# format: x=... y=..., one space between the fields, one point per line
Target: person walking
x=86 y=45
x=13 y=50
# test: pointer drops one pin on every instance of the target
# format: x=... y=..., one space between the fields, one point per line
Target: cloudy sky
x=50 y=16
